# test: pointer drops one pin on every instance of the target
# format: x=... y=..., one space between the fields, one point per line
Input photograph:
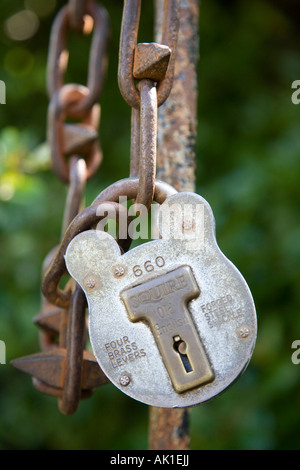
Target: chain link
x=66 y=369
x=58 y=52
x=128 y=44
x=72 y=139
x=76 y=14
x=153 y=65
x=147 y=143
x=85 y=220
x=73 y=100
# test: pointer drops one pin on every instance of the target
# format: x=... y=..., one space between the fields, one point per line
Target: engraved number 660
x=148 y=266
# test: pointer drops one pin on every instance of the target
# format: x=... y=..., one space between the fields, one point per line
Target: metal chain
x=76 y=12
x=73 y=100
x=76 y=102
x=153 y=66
x=67 y=370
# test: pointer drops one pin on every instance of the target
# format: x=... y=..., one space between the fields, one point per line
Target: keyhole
x=180 y=347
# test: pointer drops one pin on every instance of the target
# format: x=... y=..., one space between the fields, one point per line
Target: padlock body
x=134 y=317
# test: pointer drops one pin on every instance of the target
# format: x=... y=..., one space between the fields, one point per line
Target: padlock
x=172 y=322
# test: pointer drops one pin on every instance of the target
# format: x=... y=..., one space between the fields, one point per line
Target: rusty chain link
x=153 y=66
x=58 y=54
x=65 y=368
x=150 y=54
x=76 y=13
x=69 y=138
x=85 y=220
x=76 y=102
x=72 y=100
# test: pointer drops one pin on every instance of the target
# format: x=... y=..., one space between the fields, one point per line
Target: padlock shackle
x=85 y=220
x=129 y=187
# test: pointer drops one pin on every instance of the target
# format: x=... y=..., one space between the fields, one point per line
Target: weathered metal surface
x=76 y=13
x=221 y=314
x=150 y=66
x=148 y=142
x=73 y=100
x=56 y=66
x=75 y=345
x=129 y=187
x=61 y=142
x=151 y=61
x=135 y=142
x=177 y=124
x=83 y=221
x=128 y=43
x=78 y=138
x=169 y=429
x=48 y=368
x=77 y=183
x=177 y=117
x=182 y=352
x=64 y=368
x=49 y=318
x=145 y=61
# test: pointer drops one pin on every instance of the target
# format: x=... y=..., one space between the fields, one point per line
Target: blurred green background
x=248 y=154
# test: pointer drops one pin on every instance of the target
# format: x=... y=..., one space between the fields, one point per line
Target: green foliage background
x=248 y=154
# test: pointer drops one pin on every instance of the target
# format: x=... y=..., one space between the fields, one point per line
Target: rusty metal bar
x=74 y=353
x=177 y=117
x=148 y=137
x=78 y=177
x=169 y=429
x=177 y=123
x=135 y=142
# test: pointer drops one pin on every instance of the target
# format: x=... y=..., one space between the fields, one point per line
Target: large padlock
x=172 y=321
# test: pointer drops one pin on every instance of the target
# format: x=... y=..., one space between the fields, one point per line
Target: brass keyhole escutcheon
x=162 y=303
